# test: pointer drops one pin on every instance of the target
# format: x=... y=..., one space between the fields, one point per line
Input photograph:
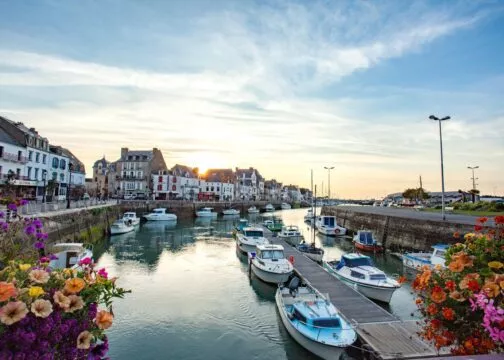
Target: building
x=249 y=184
x=219 y=184
x=291 y=193
x=134 y=170
x=105 y=179
x=272 y=190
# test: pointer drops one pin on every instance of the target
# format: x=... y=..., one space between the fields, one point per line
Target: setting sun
x=204 y=161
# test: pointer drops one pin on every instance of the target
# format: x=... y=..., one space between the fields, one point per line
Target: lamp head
x=432 y=117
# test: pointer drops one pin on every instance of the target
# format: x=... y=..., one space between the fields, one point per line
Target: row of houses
x=33 y=168
x=143 y=173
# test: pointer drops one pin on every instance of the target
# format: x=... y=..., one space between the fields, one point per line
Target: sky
x=283 y=86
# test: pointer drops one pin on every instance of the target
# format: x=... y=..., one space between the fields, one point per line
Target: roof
x=441 y=246
x=141 y=153
x=6 y=138
x=270 y=247
x=102 y=161
x=250 y=228
x=183 y=171
x=68 y=245
x=18 y=131
x=219 y=175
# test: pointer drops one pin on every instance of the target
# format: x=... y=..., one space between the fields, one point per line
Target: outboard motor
x=293 y=286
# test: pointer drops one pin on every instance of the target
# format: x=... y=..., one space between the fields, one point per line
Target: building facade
x=249 y=184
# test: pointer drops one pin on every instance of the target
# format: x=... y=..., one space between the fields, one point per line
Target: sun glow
x=204 y=161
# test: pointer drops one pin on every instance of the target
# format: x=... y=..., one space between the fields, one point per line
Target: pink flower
x=85 y=261
x=103 y=273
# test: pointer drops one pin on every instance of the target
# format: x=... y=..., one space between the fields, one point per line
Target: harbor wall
x=399 y=233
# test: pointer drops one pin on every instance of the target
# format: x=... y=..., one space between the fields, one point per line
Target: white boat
x=269 y=208
x=327 y=225
x=415 y=261
x=69 y=254
x=249 y=238
x=131 y=218
x=285 y=206
x=311 y=251
x=313 y=321
x=269 y=264
x=206 y=212
x=253 y=210
x=359 y=272
x=230 y=212
x=160 y=214
x=309 y=215
x=120 y=227
x=291 y=234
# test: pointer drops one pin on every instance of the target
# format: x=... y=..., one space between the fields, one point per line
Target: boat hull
x=292 y=240
x=230 y=212
x=314 y=257
x=319 y=349
x=414 y=263
x=206 y=215
x=270 y=277
x=332 y=231
x=134 y=222
x=118 y=231
x=253 y=211
x=369 y=248
x=165 y=217
x=245 y=248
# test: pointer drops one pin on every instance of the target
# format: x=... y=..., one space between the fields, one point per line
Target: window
x=145 y=157
x=160 y=187
x=20 y=155
x=18 y=173
x=36 y=173
x=62 y=177
x=62 y=164
x=44 y=158
x=130 y=157
x=218 y=189
x=357 y=274
x=55 y=175
x=1 y=151
x=211 y=189
x=29 y=170
x=30 y=155
x=139 y=174
x=207 y=188
x=37 y=157
x=55 y=163
x=327 y=323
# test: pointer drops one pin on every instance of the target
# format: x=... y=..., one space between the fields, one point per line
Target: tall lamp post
x=432 y=117
x=69 y=187
x=473 y=181
x=328 y=181
x=44 y=177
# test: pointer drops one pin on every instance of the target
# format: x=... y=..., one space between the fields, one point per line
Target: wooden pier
x=385 y=336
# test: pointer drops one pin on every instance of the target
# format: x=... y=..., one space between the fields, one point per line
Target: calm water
x=192 y=298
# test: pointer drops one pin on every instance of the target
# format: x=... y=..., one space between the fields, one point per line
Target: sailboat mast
x=314 y=214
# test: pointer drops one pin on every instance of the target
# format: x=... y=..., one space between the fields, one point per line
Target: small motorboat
x=206 y=212
x=274 y=224
x=160 y=214
x=242 y=224
x=69 y=254
x=269 y=208
x=313 y=321
x=131 y=218
x=415 y=261
x=269 y=264
x=249 y=238
x=365 y=241
x=311 y=251
x=359 y=272
x=230 y=212
x=309 y=215
x=253 y=210
x=285 y=206
x=327 y=225
x=291 y=234
x=121 y=226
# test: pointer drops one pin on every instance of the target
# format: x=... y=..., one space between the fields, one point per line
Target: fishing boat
x=230 y=212
x=309 y=215
x=131 y=218
x=358 y=271
x=327 y=225
x=253 y=210
x=160 y=214
x=365 y=241
x=120 y=227
x=313 y=321
x=269 y=208
x=68 y=255
x=291 y=234
x=285 y=206
x=249 y=238
x=311 y=251
x=206 y=212
x=415 y=261
x=269 y=264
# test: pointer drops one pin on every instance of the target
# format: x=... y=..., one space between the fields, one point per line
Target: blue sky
x=284 y=86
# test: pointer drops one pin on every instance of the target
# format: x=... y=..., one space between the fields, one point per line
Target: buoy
x=291 y=259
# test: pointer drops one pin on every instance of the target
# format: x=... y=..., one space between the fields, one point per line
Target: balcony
x=14 y=177
x=129 y=177
x=14 y=158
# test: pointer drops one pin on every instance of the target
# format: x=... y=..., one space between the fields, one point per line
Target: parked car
x=140 y=196
x=129 y=196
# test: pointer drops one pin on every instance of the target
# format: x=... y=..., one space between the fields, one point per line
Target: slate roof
x=220 y=175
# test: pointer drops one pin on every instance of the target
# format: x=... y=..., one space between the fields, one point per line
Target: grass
x=468 y=212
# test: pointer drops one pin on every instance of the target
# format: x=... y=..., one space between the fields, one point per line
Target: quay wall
x=399 y=233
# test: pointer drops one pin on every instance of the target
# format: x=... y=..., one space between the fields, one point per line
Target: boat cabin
x=68 y=255
x=328 y=221
x=291 y=230
x=309 y=313
x=160 y=211
x=357 y=264
x=366 y=238
x=206 y=209
x=438 y=255
x=270 y=252
x=242 y=224
x=129 y=215
x=253 y=232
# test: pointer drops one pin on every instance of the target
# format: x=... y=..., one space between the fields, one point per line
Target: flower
x=4 y=226
x=438 y=295
x=435 y=323
x=37 y=223
x=103 y=273
x=12 y=207
x=456 y=235
x=60 y=299
x=41 y=308
x=24 y=267
x=85 y=261
x=84 y=340
x=496 y=265
x=464 y=284
x=74 y=285
x=491 y=289
x=448 y=313
x=75 y=303
x=478 y=228
x=35 y=291
x=499 y=220
x=7 y=290
x=432 y=309
x=482 y=220
x=419 y=301
x=2 y=214
x=39 y=276
x=13 y=312
x=473 y=285
x=29 y=230
x=104 y=319
x=450 y=285
x=456 y=266
x=457 y=296
x=39 y=245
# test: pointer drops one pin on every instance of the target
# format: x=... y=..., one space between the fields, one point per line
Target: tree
x=415 y=194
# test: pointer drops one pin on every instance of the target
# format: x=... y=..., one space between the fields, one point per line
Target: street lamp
x=432 y=117
x=44 y=177
x=473 y=178
x=328 y=181
x=69 y=187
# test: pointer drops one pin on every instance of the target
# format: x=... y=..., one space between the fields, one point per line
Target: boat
x=285 y=206
x=253 y=210
x=311 y=251
x=291 y=235
x=313 y=321
x=269 y=264
x=416 y=261
x=230 y=212
x=68 y=255
x=274 y=224
x=206 y=212
x=358 y=271
x=269 y=208
x=309 y=215
x=160 y=214
x=121 y=226
x=249 y=238
x=365 y=241
x=327 y=225
x=242 y=224
x=131 y=218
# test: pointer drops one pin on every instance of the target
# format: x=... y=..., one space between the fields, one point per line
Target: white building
x=249 y=184
x=166 y=187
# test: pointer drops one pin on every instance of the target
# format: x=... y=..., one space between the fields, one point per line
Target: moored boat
x=249 y=238
x=206 y=212
x=311 y=251
x=327 y=225
x=269 y=208
x=68 y=255
x=274 y=225
x=415 y=261
x=313 y=321
x=131 y=218
x=358 y=271
x=160 y=214
x=285 y=206
x=291 y=235
x=365 y=241
x=269 y=264
x=309 y=215
x=121 y=227
x=242 y=224
x=253 y=210
x=230 y=212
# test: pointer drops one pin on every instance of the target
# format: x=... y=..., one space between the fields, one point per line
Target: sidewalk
x=55 y=209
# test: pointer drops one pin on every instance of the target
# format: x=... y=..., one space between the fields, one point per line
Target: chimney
x=124 y=151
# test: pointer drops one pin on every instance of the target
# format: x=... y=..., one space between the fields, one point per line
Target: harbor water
x=192 y=297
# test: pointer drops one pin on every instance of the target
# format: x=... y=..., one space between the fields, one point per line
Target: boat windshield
x=327 y=323
x=361 y=261
x=272 y=254
x=377 y=277
x=158 y=211
x=254 y=233
x=329 y=221
x=366 y=238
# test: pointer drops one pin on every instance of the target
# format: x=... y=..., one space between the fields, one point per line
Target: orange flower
x=432 y=309
x=491 y=289
x=450 y=285
x=464 y=284
x=418 y=301
x=456 y=235
x=74 y=285
x=104 y=319
x=402 y=279
x=463 y=258
x=448 y=313
x=457 y=296
x=7 y=290
x=425 y=277
x=456 y=266
x=438 y=295
x=482 y=220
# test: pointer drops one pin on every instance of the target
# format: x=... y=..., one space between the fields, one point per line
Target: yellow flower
x=24 y=267
x=495 y=265
x=35 y=291
x=468 y=236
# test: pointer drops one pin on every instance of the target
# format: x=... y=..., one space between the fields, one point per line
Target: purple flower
x=30 y=230
x=23 y=202
x=12 y=207
x=41 y=235
x=37 y=223
x=53 y=257
x=4 y=226
x=39 y=245
x=2 y=214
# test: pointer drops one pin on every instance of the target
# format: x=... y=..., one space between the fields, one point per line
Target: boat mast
x=313 y=227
